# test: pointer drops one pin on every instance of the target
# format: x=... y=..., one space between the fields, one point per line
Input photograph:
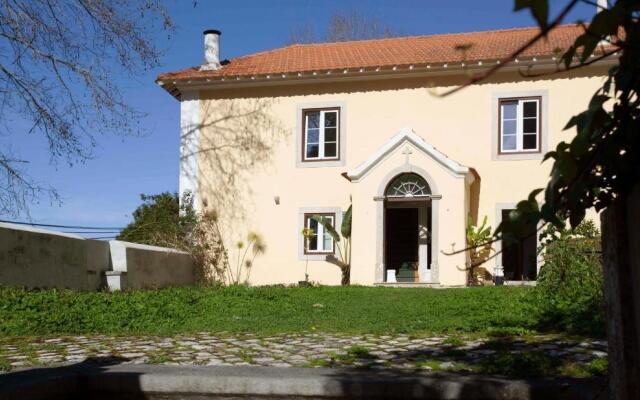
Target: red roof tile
x=489 y=45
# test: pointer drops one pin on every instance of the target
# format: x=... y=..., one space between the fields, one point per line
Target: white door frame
x=425 y=277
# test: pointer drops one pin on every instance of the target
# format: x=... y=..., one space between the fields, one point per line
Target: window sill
x=319 y=163
x=520 y=156
x=316 y=256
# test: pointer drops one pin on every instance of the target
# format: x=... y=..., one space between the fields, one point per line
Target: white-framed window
x=321 y=136
x=321 y=241
x=519 y=125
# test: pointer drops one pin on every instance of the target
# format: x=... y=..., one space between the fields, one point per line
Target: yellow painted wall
x=248 y=156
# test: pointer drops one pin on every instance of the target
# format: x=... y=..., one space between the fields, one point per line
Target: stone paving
x=292 y=350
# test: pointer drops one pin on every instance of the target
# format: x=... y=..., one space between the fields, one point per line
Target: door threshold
x=408 y=284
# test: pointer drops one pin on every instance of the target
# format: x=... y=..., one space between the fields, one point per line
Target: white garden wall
x=38 y=258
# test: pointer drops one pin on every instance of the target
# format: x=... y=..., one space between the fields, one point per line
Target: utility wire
x=64 y=226
x=94 y=232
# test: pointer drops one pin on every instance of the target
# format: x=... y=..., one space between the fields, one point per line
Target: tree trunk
x=621 y=262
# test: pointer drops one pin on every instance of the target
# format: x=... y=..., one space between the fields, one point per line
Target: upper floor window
x=321 y=241
x=321 y=136
x=519 y=125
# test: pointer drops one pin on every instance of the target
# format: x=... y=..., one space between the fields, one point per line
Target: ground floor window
x=320 y=242
x=519 y=259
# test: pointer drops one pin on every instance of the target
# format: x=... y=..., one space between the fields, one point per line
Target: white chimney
x=602 y=5
x=211 y=50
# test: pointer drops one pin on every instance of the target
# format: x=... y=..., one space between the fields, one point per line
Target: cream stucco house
x=271 y=139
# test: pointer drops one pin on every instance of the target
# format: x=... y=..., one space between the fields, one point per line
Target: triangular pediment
x=406 y=135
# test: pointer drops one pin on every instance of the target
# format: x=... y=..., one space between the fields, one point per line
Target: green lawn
x=265 y=310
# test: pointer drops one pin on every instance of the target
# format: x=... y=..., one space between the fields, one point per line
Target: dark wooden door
x=519 y=259
x=401 y=242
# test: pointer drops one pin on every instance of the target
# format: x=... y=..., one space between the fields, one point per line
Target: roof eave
x=533 y=65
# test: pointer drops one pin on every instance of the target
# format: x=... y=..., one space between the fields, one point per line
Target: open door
x=401 y=243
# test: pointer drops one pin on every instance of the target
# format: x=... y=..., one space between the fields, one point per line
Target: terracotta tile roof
x=489 y=45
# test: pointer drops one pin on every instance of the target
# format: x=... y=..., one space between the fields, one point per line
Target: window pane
x=327 y=242
x=330 y=134
x=509 y=110
x=529 y=142
x=313 y=243
x=330 y=119
x=509 y=142
x=530 y=109
x=329 y=149
x=509 y=128
x=313 y=119
x=529 y=125
x=313 y=135
x=312 y=150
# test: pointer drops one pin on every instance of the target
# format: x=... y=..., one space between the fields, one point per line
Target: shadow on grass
x=505 y=369
x=506 y=356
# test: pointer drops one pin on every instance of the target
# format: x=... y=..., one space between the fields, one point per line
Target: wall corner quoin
x=190 y=132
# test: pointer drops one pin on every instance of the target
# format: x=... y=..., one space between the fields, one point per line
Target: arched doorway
x=407 y=229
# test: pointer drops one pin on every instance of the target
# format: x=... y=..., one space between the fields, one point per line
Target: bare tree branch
x=343 y=27
x=59 y=63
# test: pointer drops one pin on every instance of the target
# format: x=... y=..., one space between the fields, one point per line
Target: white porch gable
x=407 y=135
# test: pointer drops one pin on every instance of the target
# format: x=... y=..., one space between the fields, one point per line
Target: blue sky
x=105 y=190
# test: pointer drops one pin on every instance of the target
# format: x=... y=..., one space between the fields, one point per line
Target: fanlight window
x=408 y=185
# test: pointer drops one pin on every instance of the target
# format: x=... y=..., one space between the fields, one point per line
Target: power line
x=94 y=232
x=63 y=226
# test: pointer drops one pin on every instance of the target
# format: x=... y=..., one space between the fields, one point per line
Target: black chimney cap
x=217 y=32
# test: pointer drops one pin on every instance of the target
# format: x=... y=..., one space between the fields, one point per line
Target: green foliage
x=569 y=291
x=479 y=245
x=521 y=365
x=266 y=310
x=343 y=247
x=602 y=161
x=599 y=367
x=160 y=220
x=345 y=229
x=359 y=351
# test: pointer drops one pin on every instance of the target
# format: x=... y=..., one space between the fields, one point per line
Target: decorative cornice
x=406 y=135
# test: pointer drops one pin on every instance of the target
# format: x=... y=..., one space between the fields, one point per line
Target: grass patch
x=318 y=363
x=359 y=352
x=453 y=341
x=5 y=365
x=522 y=365
x=454 y=353
x=159 y=358
x=265 y=310
x=597 y=367
x=246 y=356
x=433 y=365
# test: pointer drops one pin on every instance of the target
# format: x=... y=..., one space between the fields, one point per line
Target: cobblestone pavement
x=292 y=350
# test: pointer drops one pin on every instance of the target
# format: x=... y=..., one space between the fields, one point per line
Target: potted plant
x=307 y=234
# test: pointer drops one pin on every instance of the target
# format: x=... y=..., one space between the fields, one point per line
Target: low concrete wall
x=147 y=267
x=126 y=381
x=38 y=258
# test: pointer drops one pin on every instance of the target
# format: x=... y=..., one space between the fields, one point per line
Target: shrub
x=479 y=245
x=569 y=291
x=159 y=218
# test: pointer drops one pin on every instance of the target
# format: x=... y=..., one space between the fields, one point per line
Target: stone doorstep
x=270 y=382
